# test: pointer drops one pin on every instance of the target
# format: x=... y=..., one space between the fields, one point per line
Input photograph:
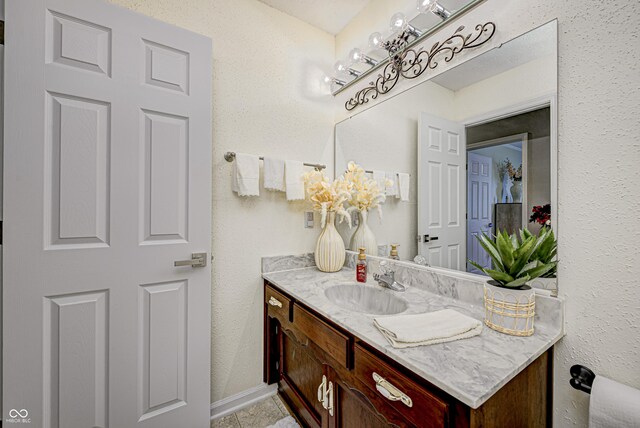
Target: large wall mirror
x=479 y=143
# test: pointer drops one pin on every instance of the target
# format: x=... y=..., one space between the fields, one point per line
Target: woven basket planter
x=509 y=311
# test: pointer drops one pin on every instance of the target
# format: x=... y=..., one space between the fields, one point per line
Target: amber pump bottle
x=394 y=252
x=361 y=266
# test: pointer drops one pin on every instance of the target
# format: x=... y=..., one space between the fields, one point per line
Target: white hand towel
x=273 y=170
x=403 y=185
x=245 y=179
x=379 y=177
x=405 y=331
x=295 y=183
x=613 y=404
x=392 y=190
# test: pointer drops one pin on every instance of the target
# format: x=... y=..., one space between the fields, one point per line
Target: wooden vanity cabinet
x=331 y=379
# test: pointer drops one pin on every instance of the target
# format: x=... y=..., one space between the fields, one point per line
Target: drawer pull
x=275 y=302
x=390 y=392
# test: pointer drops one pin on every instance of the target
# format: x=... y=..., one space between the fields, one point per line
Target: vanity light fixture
x=434 y=7
x=356 y=55
x=342 y=68
x=400 y=24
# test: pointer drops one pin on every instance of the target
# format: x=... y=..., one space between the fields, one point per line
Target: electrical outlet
x=308 y=219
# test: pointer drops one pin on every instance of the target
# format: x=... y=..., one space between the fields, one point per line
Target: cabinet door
x=301 y=379
x=349 y=407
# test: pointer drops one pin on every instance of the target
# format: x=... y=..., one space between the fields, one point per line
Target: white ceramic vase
x=516 y=191
x=330 y=252
x=509 y=311
x=363 y=237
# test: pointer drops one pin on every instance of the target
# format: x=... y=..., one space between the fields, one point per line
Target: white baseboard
x=241 y=400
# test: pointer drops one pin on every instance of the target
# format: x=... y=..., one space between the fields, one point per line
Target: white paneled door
x=441 y=196
x=107 y=184
x=479 y=203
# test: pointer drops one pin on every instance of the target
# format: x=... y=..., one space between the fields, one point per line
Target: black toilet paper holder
x=581 y=378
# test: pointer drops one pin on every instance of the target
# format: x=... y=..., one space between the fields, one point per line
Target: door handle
x=322 y=391
x=197 y=260
x=330 y=399
x=428 y=238
x=391 y=392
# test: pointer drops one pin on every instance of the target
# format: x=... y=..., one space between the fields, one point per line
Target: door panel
x=442 y=185
x=76 y=371
x=108 y=149
x=479 y=216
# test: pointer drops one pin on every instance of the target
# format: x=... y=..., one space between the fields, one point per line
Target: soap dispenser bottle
x=394 y=252
x=361 y=266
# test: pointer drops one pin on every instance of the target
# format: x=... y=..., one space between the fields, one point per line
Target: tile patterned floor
x=260 y=415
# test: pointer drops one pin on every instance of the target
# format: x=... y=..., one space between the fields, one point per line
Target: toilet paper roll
x=613 y=405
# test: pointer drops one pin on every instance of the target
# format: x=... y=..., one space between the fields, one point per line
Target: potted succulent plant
x=509 y=299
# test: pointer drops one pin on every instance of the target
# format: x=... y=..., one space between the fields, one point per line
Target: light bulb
x=356 y=55
x=425 y=6
x=434 y=7
x=398 y=21
x=329 y=79
x=376 y=41
x=340 y=67
x=343 y=68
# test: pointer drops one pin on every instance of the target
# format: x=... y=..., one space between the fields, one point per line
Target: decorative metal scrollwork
x=411 y=63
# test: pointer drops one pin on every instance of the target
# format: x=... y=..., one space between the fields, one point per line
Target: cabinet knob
x=275 y=302
x=391 y=392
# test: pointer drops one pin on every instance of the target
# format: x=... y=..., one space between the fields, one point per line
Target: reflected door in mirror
x=478 y=208
x=441 y=162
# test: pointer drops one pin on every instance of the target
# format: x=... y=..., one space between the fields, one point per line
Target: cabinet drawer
x=278 y=304
x=322 y=334
x=416 y=403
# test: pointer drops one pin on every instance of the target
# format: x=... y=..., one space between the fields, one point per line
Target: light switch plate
x=308 y=219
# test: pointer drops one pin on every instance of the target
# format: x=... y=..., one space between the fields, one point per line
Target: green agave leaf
x=501 y=277
x=490 y=247
x=518 y=282
x=539 y=270
x=476 y=265
x=527 y=267
x=506 y=250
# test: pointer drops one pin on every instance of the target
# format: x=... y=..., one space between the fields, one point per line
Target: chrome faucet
x=387 y=278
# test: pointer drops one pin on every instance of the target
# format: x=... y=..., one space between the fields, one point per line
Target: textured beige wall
x=266 y=100
x=599 y=171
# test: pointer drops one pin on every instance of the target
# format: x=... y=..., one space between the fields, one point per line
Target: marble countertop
x=471 y=370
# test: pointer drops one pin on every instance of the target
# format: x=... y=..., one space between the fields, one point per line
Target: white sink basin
x=359 y=298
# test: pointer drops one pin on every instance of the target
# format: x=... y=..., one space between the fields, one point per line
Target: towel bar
x=230 y=156
x=581 y=378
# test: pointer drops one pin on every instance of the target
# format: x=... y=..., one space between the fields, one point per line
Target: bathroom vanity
x=334 y=369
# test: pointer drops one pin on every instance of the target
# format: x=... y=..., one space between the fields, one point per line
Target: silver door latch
x=197 y=260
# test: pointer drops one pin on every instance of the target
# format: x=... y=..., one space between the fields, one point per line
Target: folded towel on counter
x=295 y=183
x=392 y=190
x=403 y=186
x=405 y=331
x=245 y=177
x=273 y=170
x=380 y=178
